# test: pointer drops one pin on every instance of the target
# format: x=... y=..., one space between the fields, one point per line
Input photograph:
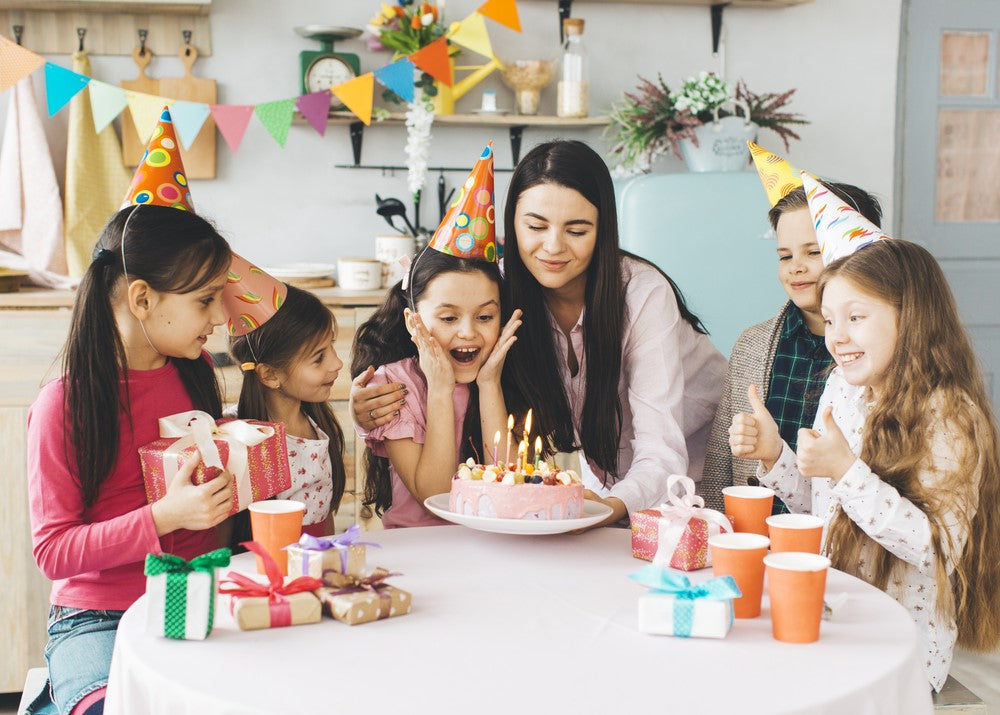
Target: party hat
x=840 y=229
x=468 y=230
x=776 y=174
x=160 y=179
x=250 y=297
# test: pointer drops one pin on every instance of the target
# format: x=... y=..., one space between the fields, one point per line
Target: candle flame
x=510 y=422
x=527 y=424
x=496 y=438
x=538 y=445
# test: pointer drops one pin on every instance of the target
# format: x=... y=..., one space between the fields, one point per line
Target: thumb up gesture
x=827 y=454
x=754 y=435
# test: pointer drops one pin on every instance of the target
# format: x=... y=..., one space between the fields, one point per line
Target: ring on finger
x=371 y=415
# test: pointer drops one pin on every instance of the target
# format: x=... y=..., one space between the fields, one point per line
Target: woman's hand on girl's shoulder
x=489 y=373
x=187 y=505
x=434 y=360
x=375 y=405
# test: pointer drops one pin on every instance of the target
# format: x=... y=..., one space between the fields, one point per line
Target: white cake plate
x=593 y=512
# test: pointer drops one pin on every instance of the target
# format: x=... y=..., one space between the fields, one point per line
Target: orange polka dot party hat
x=468 y=229
x=160 y=179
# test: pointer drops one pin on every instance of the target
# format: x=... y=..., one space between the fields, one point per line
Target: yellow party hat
x=776 y=174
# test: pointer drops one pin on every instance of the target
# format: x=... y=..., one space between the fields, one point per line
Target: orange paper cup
x=276 y=523
x=795 y=532
x=749 y=507
x=795 y=585
x=741 y=556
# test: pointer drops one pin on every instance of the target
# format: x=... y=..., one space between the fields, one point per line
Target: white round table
x=522 y=624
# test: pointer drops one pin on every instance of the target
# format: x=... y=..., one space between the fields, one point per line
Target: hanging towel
x=96 y=177
x=31 y=220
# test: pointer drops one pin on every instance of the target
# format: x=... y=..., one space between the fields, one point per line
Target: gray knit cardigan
x=750 y=364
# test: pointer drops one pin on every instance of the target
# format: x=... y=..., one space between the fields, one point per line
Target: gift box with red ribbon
x=676 y=533
x=274 y=604
x=362 y=599
x=255 y=453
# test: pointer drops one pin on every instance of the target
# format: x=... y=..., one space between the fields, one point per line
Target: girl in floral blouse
x=903 y=464
x=289 y=367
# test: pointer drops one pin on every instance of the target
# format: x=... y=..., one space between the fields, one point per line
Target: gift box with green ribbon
x=674 y=606
x=181 y=594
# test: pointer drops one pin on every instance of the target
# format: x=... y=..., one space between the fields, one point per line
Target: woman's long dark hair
x=383 y=339
x=288 y=336
x=174 y=251
x=531 y=375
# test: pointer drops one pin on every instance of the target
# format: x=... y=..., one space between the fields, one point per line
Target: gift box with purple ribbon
x=344 y=554
x=674 y=606
x=676 y=533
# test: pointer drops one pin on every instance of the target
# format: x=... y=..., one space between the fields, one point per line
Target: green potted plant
x=699 y=123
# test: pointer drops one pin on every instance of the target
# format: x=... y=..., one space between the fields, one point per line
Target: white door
x=949 y=175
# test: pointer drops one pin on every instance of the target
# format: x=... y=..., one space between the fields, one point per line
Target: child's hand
x=755 y=435
x=435 y=362
x=489 y=373
x=193 y=506
x=375 y=405
x=827 y=454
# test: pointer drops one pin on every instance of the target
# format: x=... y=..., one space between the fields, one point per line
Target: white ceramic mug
x=359 y=273
x=388 y=250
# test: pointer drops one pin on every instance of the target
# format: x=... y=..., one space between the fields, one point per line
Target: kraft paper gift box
x=256 y=453
x=274 y=604
x=180 y=595
x=354 y=600
x=344 y=554
x=675 y=607
x=676 y=533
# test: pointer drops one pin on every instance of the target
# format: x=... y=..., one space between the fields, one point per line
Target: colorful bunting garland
x=108 y=101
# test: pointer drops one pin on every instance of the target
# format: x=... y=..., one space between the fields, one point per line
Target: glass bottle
x=573 y=71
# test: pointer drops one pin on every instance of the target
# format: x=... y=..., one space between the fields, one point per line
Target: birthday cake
x=524 y=492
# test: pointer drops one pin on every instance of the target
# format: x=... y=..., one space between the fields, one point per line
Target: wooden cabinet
x=33 y=328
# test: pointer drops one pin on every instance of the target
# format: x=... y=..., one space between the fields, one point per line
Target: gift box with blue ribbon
x=674 y=606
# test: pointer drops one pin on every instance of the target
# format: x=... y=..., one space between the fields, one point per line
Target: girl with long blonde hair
x=904 y=464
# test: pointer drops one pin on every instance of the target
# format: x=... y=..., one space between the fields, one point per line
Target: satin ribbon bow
x=200 y=429
x=342 y=543
x=659 y=580
x=679 y=509
x=373 y=582
x=274 y=591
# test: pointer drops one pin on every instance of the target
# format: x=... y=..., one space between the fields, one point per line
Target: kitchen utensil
x=389 y=209
x=132 y=146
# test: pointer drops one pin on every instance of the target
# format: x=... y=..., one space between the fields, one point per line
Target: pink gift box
x=260 y=468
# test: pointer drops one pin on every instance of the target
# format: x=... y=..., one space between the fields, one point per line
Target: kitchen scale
x=324 y=68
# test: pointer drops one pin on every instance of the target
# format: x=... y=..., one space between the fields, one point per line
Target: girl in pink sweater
x=145 y=307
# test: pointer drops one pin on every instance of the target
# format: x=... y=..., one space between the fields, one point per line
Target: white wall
x=279 y=205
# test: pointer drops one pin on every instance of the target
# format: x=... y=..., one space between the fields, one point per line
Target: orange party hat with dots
x=250 y=297
x=776 y=174
x=160 y=179
x=468 y=229
x=840 y=229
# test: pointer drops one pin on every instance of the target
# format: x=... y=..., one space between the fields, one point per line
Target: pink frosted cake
x=493 y=491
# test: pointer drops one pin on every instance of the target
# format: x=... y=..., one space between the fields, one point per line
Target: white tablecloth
x=518 y=625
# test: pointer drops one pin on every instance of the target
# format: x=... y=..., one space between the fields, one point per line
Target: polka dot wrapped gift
x=160 y=179
x=181 y=594
x=468 y=229
x=362 y=599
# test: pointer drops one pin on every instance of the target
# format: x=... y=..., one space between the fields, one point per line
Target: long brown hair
x=174 y=251
x=933 y=382
x=288 y=336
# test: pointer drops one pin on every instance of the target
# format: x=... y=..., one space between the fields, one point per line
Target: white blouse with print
x=312 y=475
x=892 y=521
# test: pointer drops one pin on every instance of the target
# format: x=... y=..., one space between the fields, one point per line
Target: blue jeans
x=78 y=655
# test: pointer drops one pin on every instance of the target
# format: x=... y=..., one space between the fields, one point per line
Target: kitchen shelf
x=515 y=124
x=145 y=7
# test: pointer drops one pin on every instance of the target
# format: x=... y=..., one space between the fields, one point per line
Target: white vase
x=722 y=143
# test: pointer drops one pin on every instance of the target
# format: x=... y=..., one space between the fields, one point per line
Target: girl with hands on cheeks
x=439 y=334
x=903 y=464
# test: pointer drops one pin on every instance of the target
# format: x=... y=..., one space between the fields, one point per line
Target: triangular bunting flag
x=232 y=120
x=315 y=107
x=502 y=11
x=276 y=117
x=15 y=63
x=189 y=118
x=106 y=103
x=471 y=34
x=61 y=85
x=357 y=93
x=398 y=77
x=146 y=110
x=433 y=60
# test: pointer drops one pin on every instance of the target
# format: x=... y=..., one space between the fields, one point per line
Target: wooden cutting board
x=132 y=146
x=199 y=159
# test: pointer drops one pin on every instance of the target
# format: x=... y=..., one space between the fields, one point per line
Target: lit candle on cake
x=538 y=451
x=522 y=456
x=510 y=426
x=527 y=426
x=496 y=446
